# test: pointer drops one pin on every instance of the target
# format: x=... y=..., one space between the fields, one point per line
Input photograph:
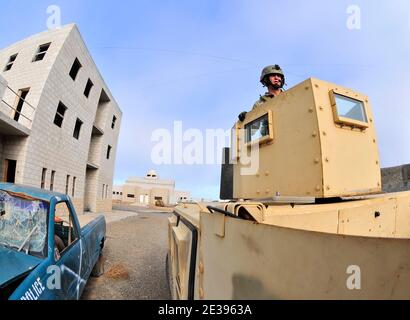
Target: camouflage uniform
x=275 y=69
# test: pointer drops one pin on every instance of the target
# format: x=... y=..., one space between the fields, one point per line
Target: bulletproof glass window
x=41 y=52
x=350 y=108
x=257 y=129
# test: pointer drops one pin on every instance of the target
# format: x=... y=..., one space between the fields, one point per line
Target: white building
x=59 y=123
x=148 y=190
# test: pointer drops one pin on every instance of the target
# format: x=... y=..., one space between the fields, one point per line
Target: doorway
x=9 y=173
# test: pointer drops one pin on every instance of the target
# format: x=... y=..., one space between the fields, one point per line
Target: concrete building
x=59 y=123
x=149 y=189
x=396 y=178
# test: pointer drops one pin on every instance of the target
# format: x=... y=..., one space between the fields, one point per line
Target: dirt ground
x=134 y=253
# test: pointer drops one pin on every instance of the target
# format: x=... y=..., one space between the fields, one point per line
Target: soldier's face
x=275 y=79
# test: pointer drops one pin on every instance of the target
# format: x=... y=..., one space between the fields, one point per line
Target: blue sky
x=199 y=62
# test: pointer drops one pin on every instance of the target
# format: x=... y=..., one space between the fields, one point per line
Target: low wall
x=396 y=179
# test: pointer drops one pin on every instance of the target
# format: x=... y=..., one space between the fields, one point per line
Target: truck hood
x=14 y=264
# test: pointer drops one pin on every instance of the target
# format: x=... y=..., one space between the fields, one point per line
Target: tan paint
x=268 y=262
x=337 y=160
x=284 y=246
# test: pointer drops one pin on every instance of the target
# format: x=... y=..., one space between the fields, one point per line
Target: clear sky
x=199 y=62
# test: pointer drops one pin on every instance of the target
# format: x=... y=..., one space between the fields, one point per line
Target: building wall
x=119 y=190
x=3 y=85
x=50 y=146
x=129 y=190
x=148 y=188
x=180 y=196
x=162 y=193
x=145 y=190
x=396 y=178
x=26 y=74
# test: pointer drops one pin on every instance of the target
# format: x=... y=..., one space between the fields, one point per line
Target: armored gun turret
x=304 y=215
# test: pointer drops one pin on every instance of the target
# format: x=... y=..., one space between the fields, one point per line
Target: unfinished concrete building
x=59 y=123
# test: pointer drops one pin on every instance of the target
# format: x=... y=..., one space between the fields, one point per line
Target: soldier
x=273 y=78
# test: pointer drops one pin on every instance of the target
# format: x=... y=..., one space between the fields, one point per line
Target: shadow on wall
x=248 y=288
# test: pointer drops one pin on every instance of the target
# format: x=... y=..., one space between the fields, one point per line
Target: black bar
x=226 y=185
x=226 y=213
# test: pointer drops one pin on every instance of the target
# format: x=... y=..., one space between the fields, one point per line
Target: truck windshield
x=23 y=223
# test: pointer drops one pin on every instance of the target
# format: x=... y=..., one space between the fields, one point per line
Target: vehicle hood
x=14 y=264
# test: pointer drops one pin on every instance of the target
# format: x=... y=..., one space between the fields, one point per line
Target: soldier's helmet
x=274 y=69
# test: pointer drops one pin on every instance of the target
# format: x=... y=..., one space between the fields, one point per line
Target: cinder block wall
x=3 y=85
x=53 y=147
x=396 y=179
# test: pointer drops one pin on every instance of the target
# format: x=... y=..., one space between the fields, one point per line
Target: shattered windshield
x=23 y=223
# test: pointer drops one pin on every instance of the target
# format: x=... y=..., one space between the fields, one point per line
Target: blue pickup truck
x=44 y=253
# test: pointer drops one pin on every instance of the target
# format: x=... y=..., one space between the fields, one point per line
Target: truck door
x=68 y=251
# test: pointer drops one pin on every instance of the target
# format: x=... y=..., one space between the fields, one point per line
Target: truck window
x=23 y=223
x=65 y=232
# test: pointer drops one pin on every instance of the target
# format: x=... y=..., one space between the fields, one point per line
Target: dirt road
x=134 y=254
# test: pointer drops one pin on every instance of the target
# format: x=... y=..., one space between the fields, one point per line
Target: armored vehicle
x=304 y=215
